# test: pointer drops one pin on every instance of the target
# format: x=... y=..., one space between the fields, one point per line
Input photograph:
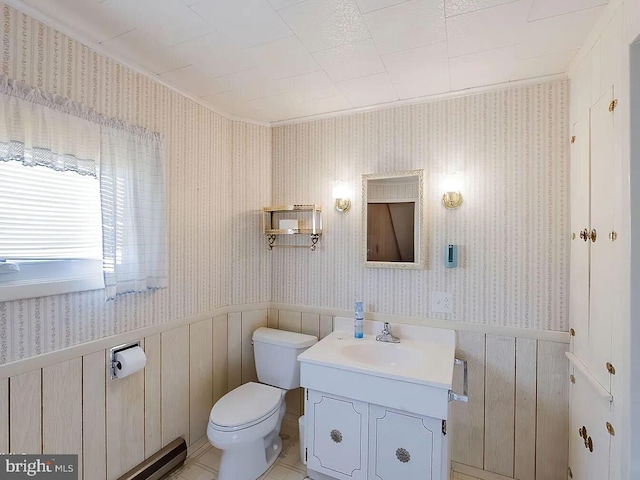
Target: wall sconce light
x=451 y=184
x=341 y=195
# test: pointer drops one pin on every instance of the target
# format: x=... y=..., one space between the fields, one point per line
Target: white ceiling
x=274 y=60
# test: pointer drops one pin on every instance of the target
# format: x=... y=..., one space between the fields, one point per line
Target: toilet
x=245 y=423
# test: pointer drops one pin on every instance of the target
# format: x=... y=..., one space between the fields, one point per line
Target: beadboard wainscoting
x=69 y=404
x=515 y=424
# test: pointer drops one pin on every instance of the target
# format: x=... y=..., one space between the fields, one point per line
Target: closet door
x=589 y=439
x=604 y=276
x=580 y=244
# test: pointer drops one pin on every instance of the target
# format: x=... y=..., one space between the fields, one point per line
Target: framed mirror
x=392 y=217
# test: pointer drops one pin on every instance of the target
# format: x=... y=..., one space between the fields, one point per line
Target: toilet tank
x=276 y=356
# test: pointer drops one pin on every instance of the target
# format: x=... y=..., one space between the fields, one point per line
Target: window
x=81 y=199
x=50 y=231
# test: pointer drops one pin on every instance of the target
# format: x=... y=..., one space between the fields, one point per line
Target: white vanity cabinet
x=350 y=439
x=377 y=410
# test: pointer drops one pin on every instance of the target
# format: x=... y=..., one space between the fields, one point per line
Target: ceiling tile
x=322 y=24
x=370 y=90
x=309 y=86
x=287 y=106
x=560 y=33
x=191 y=79
x=139 y=48
x=543 y=65
x=407 y=25
x=350 y=61
x=230 y=103
x=283 y=58
x=458 y=7
x=371 y=5
x=334 y=103
x=550 y=8
x=487 y=29
x=173 y=23
x=420 y=71
x=481 y=69
x=245 y=24
x=91 y=18
x=251 y=84
x=278 y=4
x=277 y=105
x=298 y=109
x=214 y=55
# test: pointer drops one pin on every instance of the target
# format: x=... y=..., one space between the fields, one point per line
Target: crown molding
x=425 y=99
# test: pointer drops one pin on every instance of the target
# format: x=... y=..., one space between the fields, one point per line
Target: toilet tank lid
x=283 y=338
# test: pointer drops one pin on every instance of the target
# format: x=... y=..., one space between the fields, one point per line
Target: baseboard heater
x=160 y=463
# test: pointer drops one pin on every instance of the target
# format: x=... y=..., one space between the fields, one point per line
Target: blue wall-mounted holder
x=451 y=256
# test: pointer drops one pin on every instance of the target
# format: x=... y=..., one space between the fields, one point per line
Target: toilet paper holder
x=112 y=356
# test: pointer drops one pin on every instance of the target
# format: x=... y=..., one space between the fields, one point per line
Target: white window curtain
x=41 y=129
x=133 y=211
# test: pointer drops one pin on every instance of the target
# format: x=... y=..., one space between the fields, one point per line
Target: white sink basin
x=413 y=375
x=384 y=354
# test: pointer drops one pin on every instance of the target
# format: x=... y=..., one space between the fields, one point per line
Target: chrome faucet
x=386 y=335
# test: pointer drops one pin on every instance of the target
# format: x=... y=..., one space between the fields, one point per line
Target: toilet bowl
x=245 y=423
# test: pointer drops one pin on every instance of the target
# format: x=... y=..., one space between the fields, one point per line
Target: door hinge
x=611 y=369
x=307 y=393
x=613 y=105
x=572 y=378
x=444 y=427
x=573 y=139
x=610 y=429
x=306 y=450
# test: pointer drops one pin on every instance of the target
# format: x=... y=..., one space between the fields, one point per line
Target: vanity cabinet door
x=404 y=446
x=337 y=436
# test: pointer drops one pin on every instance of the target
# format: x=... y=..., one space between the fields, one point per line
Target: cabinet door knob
x=403 y=455
x=336 y=436
x=593 y=235
x=584 y=234
x=583 y=432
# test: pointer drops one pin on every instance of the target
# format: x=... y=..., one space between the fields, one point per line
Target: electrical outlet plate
x=441 y=302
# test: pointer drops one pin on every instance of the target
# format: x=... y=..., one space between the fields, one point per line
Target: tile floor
x=203 y=464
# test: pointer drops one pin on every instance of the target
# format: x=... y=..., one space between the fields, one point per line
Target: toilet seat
x=245 y=406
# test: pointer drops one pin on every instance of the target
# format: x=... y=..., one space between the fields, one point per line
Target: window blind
x=47 y=214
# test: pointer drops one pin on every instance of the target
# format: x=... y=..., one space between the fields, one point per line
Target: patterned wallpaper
x=218 y=174
x=510 y=147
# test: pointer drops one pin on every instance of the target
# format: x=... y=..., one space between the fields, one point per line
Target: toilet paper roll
x=129 y=361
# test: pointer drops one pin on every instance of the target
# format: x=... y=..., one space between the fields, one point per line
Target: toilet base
x=251 y=460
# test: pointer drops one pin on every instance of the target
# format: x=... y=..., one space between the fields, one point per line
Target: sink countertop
x=434 y=369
